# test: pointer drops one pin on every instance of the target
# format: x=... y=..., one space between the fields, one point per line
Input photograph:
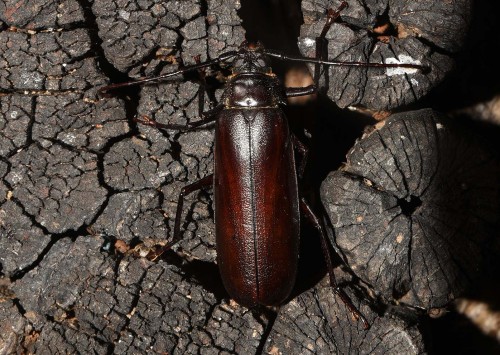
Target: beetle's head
x=251 y=58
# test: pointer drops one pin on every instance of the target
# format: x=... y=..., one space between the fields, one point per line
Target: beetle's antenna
x=282 y=56
x=222 y=58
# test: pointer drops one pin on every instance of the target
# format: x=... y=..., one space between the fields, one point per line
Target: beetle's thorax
x=252 y=90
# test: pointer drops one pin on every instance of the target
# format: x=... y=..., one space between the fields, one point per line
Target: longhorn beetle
x=257 y=204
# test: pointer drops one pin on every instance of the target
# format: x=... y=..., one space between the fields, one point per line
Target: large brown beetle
x=257 y=203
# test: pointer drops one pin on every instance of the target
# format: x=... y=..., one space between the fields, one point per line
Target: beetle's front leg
x=321 y=42
x=306 y=209
x=204 y=89
x=300 y=91
x=207 y=117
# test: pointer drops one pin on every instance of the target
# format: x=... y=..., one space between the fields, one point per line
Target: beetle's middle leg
x=208 y=117
x=306 y=209
x=186 y=190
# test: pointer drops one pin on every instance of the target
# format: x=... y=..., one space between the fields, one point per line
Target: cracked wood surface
x=87 y=193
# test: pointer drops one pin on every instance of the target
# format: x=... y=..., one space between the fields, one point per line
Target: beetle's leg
x=204 y=88
x=303 y=150
x=321 y=42
x=332 y=16
x=208 y=117
x=300 y=91
x=326 y=252
x=186 y=190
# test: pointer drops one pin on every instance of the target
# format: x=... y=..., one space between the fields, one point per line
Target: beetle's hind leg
x=303 y=150
x=306 y=209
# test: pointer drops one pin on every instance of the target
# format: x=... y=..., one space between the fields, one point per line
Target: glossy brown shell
x=256 y=205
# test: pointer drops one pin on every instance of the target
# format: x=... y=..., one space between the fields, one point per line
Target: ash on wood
x=415 y=208
x=424 y=32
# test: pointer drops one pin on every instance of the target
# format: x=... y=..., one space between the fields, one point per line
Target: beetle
x=256 y=197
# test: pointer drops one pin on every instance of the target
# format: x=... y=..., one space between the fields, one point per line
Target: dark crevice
x=135 y=241
x=455 y=333
x=19 y=274
x=31 y=123
x=276 y=25
x=409 y=204
x=366 y=7
x=96 y=44
x=19 y=306
x=8 y=168
x=70 y=314
x=176 y=150
x=204 y=11
x=311 y=266
x=401 y=289
x=435 y=48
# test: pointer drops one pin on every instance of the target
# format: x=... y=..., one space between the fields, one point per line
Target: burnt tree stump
x=87 y=195
x=316 y=323
x=415 y=208
x=428 y=32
